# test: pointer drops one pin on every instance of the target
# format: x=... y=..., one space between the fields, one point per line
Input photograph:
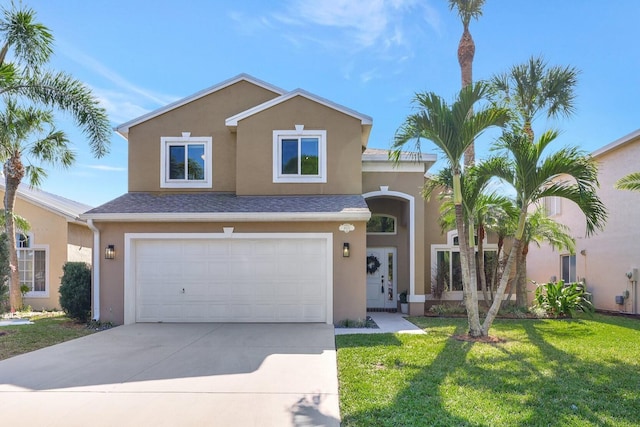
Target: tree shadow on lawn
x=533 y=383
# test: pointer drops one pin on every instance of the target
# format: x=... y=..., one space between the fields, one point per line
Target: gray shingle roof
x=208 y=202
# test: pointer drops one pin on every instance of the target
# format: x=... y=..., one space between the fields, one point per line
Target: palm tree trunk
x=466 y=52
x=481 y=267
x=467 y=263
x=494 y=273
x=521 y=278
x=517 y=242
x=13 y=172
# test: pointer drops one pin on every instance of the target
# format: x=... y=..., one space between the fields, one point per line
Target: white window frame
x=575 y=267
x=186 y=139
x=34 y=247
x=379 y=233
x=451 y=247
x=553 y=206
x=299 y=132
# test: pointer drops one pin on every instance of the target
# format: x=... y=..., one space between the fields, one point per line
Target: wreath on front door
x=372 y=264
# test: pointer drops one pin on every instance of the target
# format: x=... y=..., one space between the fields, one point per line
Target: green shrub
x=562 y=300
x=75 y=290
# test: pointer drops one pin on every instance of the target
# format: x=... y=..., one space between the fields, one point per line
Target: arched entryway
x=390 y=248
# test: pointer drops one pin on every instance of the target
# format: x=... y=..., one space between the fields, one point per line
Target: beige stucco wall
x=80 y=243
x=48 y=229
x=611 y=253
x=409 y=183
x=254 y=162
x=349 y=281
x=202 y=117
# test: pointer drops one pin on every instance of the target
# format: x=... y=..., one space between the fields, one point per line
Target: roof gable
x=617 y=143
x=123 y=129
x=232 y=122
x=70 y=209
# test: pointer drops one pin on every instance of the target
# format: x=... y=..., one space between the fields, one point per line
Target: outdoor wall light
x=345 y=250
x=110 y=252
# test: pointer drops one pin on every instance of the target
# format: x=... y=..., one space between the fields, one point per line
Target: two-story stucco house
x=609 y=260
x=249 y=203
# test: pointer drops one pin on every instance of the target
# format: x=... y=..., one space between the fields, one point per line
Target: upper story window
x=300 y=155
x=185 y=161
x=381 y=224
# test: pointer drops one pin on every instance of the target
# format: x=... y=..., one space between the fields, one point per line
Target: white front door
x=381 y=274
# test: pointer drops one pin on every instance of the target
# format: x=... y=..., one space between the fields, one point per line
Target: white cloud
x=127 y=100
x=367 y=23
x=105 y=168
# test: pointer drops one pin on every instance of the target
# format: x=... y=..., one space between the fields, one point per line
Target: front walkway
x=387 y=323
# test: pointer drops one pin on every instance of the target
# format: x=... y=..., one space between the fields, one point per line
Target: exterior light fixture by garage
x=110 y=252
x=345 y=250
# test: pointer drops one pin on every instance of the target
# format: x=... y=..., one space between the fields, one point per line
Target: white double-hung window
x=33 y=263
x=299 y=155
x=185 y=161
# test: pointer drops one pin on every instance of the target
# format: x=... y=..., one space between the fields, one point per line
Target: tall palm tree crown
x=533 y=87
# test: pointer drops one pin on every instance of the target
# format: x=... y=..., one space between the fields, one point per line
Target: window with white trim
x=446 y=271
x=33 y=263
x=185 y=161
x=299 y=155
x=381 y=224
x=568 y=268
x=553 y=205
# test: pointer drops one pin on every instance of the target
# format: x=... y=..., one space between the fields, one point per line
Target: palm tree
x=467 y=10
x=533 y=87
x=529 y=89
x=17 y=126
x=567 y=173
x=30 y=43
x=452 y=128
x=629 y=182
x=487 y=209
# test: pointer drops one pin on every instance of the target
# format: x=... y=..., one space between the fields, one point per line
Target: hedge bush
x=75 y=290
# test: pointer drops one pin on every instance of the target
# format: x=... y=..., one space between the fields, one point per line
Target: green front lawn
x=45 y=331
x=546 y=373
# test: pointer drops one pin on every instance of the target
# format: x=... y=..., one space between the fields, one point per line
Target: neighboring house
x=248 y=203
x=602 y=261
x=57 y=235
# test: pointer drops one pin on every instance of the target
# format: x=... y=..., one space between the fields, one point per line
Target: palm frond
x=62 y=91
x=629 y=182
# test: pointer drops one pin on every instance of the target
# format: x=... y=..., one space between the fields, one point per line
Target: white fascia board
x=617 y=143
x=390 y=167
x=345 y=215
x=232 y=121
x=69 y=209
x=123 y=129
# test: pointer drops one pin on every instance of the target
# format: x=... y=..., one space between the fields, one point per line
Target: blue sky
x=369 y=55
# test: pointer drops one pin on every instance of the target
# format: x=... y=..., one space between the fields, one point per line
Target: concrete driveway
x=178 y=375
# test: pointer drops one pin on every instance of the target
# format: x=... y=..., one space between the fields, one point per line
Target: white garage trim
x=130 y=239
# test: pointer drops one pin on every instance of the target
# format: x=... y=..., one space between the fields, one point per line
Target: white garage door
x=231 y=280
